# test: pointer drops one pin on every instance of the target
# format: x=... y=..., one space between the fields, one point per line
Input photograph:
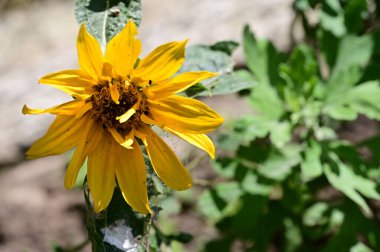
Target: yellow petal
x=107 y=71
x=165 y=163
x=162 y=62
x=184 y=115
x=178 y=84
x=131 y=177
x=84 y=109
x=65 y=133
x=130 y=112
x=90 y=140
x=201 y=141
x=89 y=54
x=73 y=82
x=115 y=95
x=123 y=49
x=68 y=108
x=101 y=172
x=127 y=141
x=147 y=120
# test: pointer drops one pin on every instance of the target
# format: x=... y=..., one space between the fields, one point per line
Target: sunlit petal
x=131 y=177
x=65 y=133
x=68 y=108
x=165 y=163
x=178 y=84
x=184 y=114
x=89 y=53
x=90 y=140
x=101 y=172
x=123 y=49
x=201 y=141
x=162 y=62
x=73 y=82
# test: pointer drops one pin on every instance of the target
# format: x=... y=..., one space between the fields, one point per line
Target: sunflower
x=117 y=99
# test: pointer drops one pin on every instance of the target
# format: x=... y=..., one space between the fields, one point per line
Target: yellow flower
x=117 y=102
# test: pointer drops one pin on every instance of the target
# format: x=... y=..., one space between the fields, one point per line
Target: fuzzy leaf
x=215 y=59
x=104 y=19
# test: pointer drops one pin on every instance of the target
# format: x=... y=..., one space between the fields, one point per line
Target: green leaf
x=300 y=75
x=279 y=163
x=314 y=215
x=266 y=103
x=341 y=112
x=228 y=83
x=219 y=201
x=281 y=134
x=228 y=46
x=104 y=19
x=262 y=58
x=203 y=58
x=325 y=133
x=360 y=247
x=252 y=184
x=225 y=167
x=341 y=83
x=362 y=99
x=353 y=52
x=355 y=12
x=352 y=185
x=243 y=131
x=292 y=235
x=332 y=18
x=311 y=166
x=196 y=90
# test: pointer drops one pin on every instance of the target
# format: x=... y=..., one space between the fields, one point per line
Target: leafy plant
x=291 y=182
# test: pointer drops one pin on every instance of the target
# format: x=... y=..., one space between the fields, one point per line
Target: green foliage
x=216 y=58
x=104 y=19
x=290 y=181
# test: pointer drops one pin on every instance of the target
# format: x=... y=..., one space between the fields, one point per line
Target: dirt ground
x=38 y=37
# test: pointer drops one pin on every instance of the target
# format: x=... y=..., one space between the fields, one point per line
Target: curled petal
x=201 y=141
x=130 y=112
x=69 y=108
x=127 y=141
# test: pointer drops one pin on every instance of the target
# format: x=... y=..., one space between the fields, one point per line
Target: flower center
x=106 y=110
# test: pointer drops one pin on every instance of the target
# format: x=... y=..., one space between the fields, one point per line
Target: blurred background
x=38 y=37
